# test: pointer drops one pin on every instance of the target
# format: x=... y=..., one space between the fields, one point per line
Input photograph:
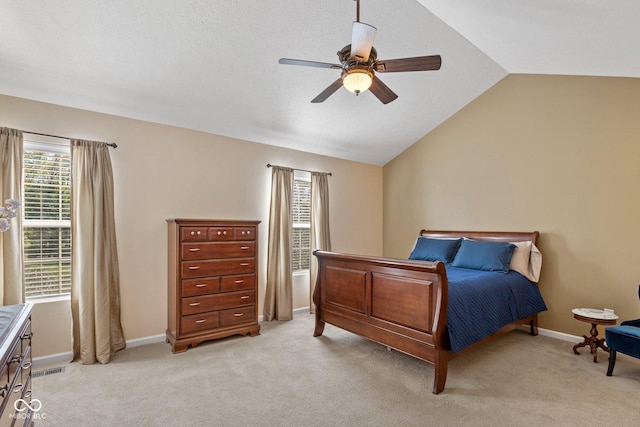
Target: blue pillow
x=427 y=249
x=487 y=256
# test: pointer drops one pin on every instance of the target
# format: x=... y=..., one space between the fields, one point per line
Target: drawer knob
x=201 y=321
x=244 y=297
x=193 y=233
x=27 y=336
x=244 y=264
x=224 y=232
x=196 y=267
x=194 y=249
x=199 y=232
x=201 y=285
x=244 y=248
x=238 y=314
x=194 y=304
x=237 y=282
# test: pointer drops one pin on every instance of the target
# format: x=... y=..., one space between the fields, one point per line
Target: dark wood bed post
x=534 y=325
x=442 y=355
x=319 y=328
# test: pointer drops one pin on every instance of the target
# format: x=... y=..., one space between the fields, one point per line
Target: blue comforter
x=481 y=302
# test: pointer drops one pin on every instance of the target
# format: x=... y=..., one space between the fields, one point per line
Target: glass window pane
x=301 y=212
x=46 y=222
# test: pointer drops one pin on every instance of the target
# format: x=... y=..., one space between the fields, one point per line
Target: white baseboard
x=51 y=360
x=559 y=335
x=62 y=358
x=295 y=310
x=553 y=334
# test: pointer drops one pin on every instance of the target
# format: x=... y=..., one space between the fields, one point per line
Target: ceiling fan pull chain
x=357 y=10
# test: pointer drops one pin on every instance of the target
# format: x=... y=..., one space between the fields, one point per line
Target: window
x=46 y=216
x=301 y=249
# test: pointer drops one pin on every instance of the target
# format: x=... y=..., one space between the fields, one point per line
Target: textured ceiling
x=212 y=65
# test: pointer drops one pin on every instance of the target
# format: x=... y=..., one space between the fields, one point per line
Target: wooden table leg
x=585 y=342
x=593 y=342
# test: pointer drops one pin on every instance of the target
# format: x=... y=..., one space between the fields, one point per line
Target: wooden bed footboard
x=401 y=304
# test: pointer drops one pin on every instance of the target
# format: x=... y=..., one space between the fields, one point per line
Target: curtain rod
x=303 y=170
x=110 y=144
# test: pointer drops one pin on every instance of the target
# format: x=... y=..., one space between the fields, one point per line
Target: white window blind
x=46 y=223
x=301 y=249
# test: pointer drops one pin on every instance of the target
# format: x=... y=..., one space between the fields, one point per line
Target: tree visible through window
x=46 y=222
x=301 y=249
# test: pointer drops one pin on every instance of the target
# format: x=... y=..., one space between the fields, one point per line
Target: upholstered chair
x=624 y=338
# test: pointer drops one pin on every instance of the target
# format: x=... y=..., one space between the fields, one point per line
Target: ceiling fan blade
x=382 y=91
x=418 y=63
x=362 y=36
x=328 y=91
x=288 y=61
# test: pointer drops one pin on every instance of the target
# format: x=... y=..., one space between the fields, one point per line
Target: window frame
x=303 y=176
x=32 y=142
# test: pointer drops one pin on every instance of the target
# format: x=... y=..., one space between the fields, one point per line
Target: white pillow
x=535 y=264
x=520 y=257
x=526 y=260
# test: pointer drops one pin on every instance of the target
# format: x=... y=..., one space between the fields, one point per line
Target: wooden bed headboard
x=494 y=236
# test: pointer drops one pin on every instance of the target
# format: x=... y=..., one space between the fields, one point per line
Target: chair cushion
x=624 y=338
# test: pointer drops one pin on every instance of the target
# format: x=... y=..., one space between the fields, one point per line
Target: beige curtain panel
x=278 y=300
x=320 y=236
x=95 y=277
x=11 y=288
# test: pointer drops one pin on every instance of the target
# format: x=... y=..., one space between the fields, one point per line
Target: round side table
x=595 y=317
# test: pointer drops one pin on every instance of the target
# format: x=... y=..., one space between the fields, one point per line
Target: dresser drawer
x=221 y=233
x=199 y=322
x=5 y=383
x=26 y=335
x=15 y=362
x=217 y=250
x=11 y=385
x=194 y=234
x=236 y=283
x=206 y=303
x=244 y=233
x=237 y=315
x=217 y=267
x=193 y=287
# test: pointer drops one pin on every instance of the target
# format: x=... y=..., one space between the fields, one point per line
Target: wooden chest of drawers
x=16 y=407
x=213 y=280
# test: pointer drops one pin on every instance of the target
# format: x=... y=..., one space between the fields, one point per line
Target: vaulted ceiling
x=212 y=65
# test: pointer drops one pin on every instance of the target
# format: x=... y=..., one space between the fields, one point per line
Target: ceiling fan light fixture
x=357 y=81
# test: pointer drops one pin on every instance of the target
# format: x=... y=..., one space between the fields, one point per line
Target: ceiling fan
x=359 y=64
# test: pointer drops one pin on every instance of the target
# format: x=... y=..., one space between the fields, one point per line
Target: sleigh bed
x=431 y=310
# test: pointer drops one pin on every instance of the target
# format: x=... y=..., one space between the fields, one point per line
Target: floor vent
x=47 y=372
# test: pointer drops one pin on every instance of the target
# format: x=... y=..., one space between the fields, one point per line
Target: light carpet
x=286 y=377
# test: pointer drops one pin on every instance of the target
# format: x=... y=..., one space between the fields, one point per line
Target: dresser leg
x=179 y=348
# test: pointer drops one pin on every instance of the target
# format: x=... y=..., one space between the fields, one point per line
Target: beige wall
x=557 y=154
x=165 y=172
